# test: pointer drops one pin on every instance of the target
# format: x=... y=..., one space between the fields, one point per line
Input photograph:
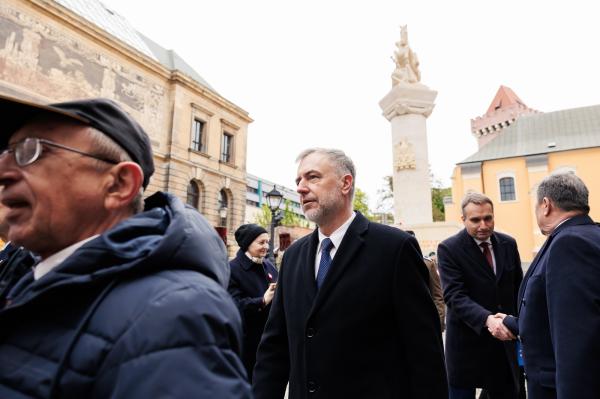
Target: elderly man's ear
x=123 y=182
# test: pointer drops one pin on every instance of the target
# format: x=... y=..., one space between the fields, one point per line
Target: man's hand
x=269 y=293
x=497 y=328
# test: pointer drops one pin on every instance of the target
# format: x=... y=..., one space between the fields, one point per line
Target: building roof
x=116 y=25
x=171 y=60
x=504 y=98
x=544 y=133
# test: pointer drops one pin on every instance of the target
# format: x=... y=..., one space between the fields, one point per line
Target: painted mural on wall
x=38 y=58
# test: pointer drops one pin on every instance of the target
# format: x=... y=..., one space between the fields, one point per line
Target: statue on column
x=407 y=63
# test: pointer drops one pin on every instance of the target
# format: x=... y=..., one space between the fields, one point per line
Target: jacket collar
x=574 y=221
x=350 y=245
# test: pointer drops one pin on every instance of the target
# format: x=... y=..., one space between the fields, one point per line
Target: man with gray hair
x=559 y=300
x=352 y=316
x=125 y=302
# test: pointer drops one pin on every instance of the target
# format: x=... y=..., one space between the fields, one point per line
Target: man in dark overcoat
x=481 y=273
x=559 y=300
x=352 y=316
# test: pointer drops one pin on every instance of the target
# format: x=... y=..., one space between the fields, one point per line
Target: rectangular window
x=198 y=135
x=507 y=189
x=227 y=148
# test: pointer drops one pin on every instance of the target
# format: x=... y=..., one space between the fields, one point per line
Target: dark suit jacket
x=247 y=285
x=559 y=314
x=371 y=331
x=472 y=292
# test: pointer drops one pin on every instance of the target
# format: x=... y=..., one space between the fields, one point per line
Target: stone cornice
x=179 y=77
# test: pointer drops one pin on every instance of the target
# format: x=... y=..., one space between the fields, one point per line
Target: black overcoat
x=247 y=286
x=371 y=331
x=472 y=292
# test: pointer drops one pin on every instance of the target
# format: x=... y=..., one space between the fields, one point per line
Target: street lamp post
x=274 y=199
x=223 y=215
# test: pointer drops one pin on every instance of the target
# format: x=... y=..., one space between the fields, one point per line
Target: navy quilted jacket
x=138 y=312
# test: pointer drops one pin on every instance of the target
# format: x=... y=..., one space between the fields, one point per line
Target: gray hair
x=342 y=162
x=475 y=198
x=566 y=191
x=105 y=147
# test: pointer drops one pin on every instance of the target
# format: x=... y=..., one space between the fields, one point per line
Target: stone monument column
x=407 y=106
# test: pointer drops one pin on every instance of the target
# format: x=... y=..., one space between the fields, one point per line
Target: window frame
x=500 y=179
x=230 y=147
x=198 y=146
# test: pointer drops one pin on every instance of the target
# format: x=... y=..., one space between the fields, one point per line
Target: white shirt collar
x=337 y=236
x=52 y=261
x=489 y=241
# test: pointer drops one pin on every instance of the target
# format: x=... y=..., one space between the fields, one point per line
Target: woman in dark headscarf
x=252 y=286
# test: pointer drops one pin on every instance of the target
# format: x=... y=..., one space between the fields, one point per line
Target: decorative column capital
x=408 y=98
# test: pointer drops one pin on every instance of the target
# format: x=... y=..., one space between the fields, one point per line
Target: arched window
x=193 y=194
x=507 y=189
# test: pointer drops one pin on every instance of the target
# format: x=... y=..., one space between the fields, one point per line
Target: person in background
x=435 y=286
x=15 y=261
x=252 y=286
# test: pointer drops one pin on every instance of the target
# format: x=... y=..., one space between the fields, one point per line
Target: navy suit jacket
x=559 y=314
x=370 y=331
x=472 y=292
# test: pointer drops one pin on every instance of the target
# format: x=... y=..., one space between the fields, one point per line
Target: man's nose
x=8 y=169
x=301 y=187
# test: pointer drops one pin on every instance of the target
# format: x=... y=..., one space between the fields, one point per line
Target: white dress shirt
x=336 y=238
x=489 y=241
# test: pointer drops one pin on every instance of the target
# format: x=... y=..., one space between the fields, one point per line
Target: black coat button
x=310 y=332
x=312 y=387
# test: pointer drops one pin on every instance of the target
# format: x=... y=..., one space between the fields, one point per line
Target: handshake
x=497 y=328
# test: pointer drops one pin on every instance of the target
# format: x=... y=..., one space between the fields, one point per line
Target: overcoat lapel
x=475 y=255
x=499 y=255
x=308 y=266
x=530 y=271
x=350 y=245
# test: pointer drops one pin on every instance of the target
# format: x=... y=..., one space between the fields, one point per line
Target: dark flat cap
x=100 y=113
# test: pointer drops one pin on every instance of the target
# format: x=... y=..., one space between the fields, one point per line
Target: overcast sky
x=312 y=72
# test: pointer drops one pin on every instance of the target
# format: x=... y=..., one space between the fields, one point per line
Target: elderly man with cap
x=126 y=302
x=252 y=286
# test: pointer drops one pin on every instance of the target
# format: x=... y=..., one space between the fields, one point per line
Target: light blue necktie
x=325 y=262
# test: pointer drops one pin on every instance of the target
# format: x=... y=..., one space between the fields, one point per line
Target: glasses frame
x=39 y=143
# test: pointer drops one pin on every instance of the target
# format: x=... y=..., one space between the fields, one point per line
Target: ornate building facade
x=66 y=49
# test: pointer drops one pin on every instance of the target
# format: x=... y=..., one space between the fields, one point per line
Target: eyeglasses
x=29 y=150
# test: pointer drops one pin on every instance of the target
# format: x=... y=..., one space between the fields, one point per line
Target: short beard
x=327 y=209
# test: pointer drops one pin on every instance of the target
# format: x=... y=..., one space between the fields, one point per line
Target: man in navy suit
x=481 y=273
x=352 y=316
x=559 y=300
